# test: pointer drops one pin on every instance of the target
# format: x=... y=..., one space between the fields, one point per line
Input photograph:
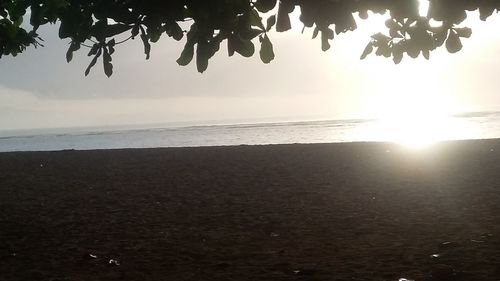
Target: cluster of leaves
x=210 y=23
x=13 y=38
x=415 y=35
x=205 y=25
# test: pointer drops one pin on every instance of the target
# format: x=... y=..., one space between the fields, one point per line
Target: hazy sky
x=38 y=89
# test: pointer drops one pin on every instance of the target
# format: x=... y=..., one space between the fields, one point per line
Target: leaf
x=174 y=31
x=315 y=32
x=266 y=50
x=283 y=21
x=363 y=14
x=64 y=29
x=426 y=54
x=202 y=56
x=111 y=46
x=381 y=37
x=385 y=50
x=214 y=46
x=74 y=46
x=135 y=31
x=440 y=37
x=237 y=44
x=265 y=6
x=35 y=18
x=485 y=11
x=94 y=49
x=188 y=51
x=18 y=20
x=256 y=20
x=397 y=56
x=98 y=30
x=145 y=40
x=244 y=47
x=422 y=39
x=391 y=24
x=250 y=33
x=154 y=34
x=463 y=32
x=326 y=34
x=453 y=43
x=413 y=52
x=186 y=55
x=271 y=21
x=230 y=46
x=93 y=62
x=368 y=50
x=325 y=45
x=108 y=66
x=115 y=29
x=395 y=33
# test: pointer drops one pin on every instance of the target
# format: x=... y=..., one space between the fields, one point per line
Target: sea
x=472 y=125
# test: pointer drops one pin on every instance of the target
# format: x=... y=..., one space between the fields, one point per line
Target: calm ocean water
x=464 y=126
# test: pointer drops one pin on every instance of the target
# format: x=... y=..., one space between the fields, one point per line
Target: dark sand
x=281 y=212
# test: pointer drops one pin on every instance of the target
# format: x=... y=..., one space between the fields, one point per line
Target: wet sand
x=359 y=211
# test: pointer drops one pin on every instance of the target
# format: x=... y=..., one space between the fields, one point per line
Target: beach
x=345 y=211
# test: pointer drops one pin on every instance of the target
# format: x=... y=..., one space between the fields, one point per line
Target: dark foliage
x=205 y=25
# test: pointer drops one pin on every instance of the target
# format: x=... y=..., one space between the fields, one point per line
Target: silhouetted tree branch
x=205 y=25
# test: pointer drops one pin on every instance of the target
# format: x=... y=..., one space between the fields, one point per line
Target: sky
x=38 y=89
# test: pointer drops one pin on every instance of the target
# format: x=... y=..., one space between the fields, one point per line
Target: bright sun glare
x=419 y=122
x=416 y=117
x=416 y=110
x=416 y=131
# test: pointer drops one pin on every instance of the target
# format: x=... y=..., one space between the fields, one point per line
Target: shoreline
x=339 y=211
x=388 y=143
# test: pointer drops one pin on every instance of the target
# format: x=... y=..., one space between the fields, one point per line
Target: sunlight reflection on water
x=420 y=132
